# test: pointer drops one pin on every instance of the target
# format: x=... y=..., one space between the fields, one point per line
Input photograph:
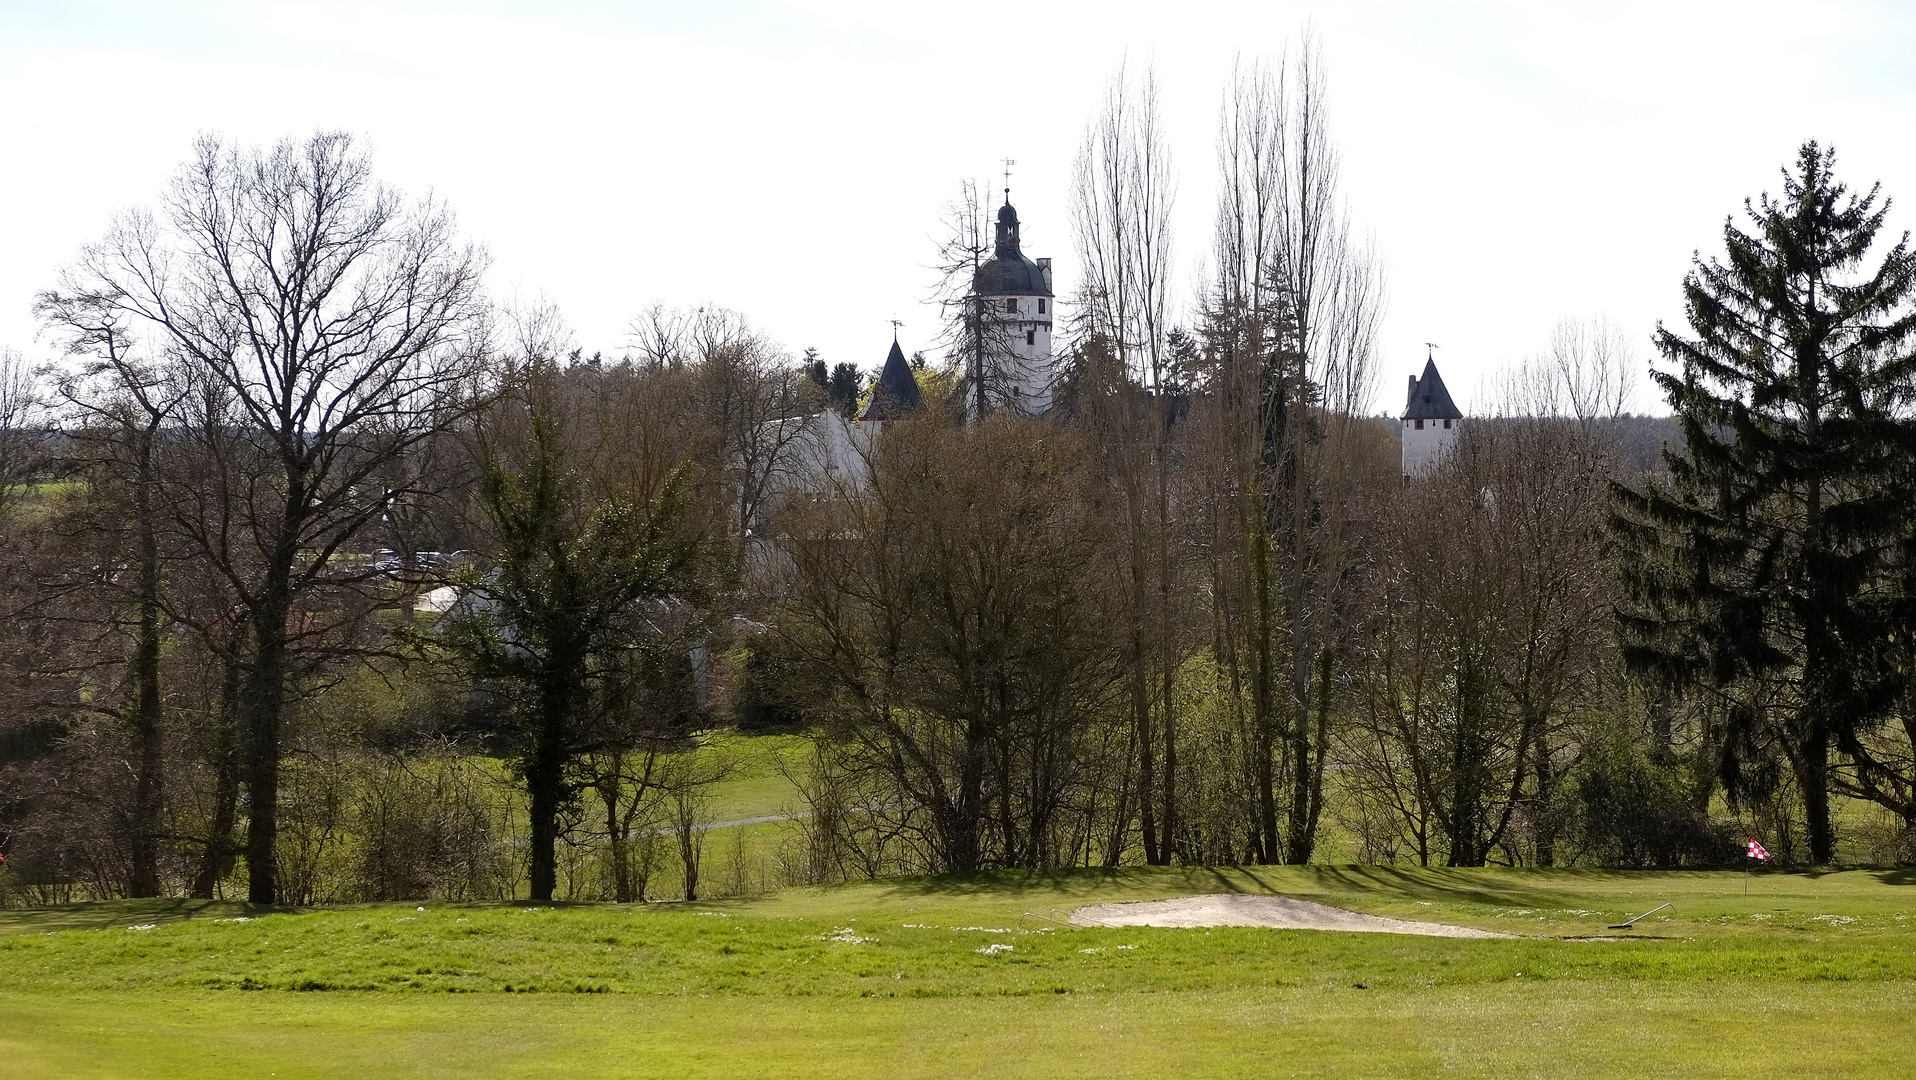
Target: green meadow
x=1809 y=974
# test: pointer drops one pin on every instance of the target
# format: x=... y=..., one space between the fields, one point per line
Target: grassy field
x=1809 y=975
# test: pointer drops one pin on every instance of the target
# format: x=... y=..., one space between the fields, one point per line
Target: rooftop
x=1009 y=273
x=1429 y=398
x=895 y=395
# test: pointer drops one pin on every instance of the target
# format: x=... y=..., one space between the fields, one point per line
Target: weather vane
x=1429 y=345
x=895 y=324
x=1009 y=162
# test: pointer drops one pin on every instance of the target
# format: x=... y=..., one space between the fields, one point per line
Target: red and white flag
x=1756 y=852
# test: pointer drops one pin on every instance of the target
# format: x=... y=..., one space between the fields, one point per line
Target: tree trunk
x=216 y=857
x=1147 y=752
x=265 y=698
x=545 y=784
x=1546 y=786
x=962 y=842
x=616 y=835
x=1263 y=688
x=1166 y=652
x=691 y=849
x=147 y=787
x=1307 y=783
x=1814 y=778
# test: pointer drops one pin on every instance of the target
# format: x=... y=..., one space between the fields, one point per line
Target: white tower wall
x=1426 y=442
x=1022 y=325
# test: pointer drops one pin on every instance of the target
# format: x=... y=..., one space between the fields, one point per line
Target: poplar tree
x=1762 y=572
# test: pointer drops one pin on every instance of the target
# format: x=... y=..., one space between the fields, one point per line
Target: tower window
x=1031 y=338
x=1041 y=307
x=1446 y=425
x=1420 y=425
x=1011 y=305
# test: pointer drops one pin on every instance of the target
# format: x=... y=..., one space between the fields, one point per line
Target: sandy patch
x=1282 y=912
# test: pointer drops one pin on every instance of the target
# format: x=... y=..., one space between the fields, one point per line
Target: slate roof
x=1009 y=273
x=1429 y=399
x=895 y=395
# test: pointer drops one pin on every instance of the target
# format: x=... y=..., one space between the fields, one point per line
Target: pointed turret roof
x=895 y=395
x=1429 y=399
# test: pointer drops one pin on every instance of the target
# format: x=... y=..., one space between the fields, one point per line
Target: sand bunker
x=1282 y=912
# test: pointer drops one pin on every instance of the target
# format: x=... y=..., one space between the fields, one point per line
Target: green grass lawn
x=758 y=775
x=1809 y=975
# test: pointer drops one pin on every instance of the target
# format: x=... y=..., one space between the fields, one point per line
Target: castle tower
x=1016 y=307
x=1431 y=422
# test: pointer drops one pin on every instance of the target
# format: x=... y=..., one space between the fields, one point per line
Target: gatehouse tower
x=1015 y=308
x=1431 y=421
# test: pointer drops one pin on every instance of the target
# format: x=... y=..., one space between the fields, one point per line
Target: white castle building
x=1016 y=308
x=1013 y=310
x=1431 y=422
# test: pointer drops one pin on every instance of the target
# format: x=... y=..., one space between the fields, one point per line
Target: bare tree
x=1290 y=335
x=747 y=397
x=1122 y=198
x=122 y=407
x=1584 y=373
x=324 y=326
x=950 y=620
x=1486 y=649
x=1123 y=191
x=19 y=401
x=754 y=401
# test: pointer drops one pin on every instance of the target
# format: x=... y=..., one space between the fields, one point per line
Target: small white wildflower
x=1127 y=946
x=844 y=935
x=1089 y=952
x=995 y=948
x=144 y=926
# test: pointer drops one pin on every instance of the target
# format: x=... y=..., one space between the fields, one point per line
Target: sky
x=1513 y=164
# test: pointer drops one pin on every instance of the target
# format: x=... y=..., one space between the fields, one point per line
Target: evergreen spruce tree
x=1763 y=572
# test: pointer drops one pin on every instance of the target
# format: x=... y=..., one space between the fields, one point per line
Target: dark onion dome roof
x=1009 y=273
x=895 y=395
x=1429 y=399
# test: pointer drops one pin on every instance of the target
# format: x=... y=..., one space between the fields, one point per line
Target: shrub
x=1633 y=807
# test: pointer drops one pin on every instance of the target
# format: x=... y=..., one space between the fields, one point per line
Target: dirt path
x=1282 y=912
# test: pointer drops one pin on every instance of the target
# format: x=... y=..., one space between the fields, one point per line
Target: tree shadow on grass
x=1352 y=885
x=1895 y=875
x=107 y=914
x=1327 y=882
